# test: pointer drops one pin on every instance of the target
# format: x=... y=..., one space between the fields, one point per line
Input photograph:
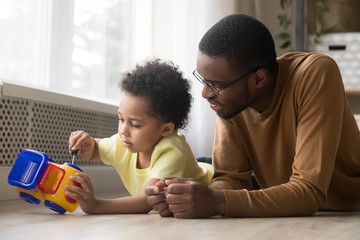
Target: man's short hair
x=243 y=40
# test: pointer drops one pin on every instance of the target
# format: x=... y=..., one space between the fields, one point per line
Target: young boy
x=154 y=104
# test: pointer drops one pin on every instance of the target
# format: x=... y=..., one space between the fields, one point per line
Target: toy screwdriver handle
x=73 y=153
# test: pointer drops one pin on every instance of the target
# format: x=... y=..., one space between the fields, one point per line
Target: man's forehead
x=212 y=67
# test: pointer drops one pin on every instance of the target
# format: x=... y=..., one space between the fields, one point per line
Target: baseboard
x=104 y=179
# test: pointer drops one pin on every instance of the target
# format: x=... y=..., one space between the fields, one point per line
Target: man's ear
x=168 y=129
x=261 y=78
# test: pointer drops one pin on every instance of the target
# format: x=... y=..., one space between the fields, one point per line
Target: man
x=286 y=119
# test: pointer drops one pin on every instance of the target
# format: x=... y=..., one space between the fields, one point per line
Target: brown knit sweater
x=304 y=149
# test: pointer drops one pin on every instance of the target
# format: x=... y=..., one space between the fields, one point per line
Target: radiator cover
x=33 y=120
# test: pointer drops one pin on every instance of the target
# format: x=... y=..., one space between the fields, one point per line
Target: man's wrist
x=220 y=202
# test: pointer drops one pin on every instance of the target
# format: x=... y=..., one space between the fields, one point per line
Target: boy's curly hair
x=164 y=86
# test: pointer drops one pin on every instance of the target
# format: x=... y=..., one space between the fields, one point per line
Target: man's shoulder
x=302 y=58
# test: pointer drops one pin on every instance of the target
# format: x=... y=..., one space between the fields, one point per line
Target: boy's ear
x=168 y=129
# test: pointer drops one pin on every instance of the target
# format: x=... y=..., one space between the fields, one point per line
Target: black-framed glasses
x=216 y=88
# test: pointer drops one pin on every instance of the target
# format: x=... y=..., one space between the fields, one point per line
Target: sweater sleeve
x=230 y=160
x=319 y=101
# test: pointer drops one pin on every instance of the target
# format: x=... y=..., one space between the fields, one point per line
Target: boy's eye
x=135 y=126
x=122 y=120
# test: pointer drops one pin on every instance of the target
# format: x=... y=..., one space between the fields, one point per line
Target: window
x=78 y=47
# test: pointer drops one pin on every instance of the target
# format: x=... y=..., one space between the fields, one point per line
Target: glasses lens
x=211 y=85
x=205 y=82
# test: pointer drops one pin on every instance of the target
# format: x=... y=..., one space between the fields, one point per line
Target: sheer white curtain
x=178 y=26
x=76 y=47
x=22 y=56
x=80 y=47
x=176 y=29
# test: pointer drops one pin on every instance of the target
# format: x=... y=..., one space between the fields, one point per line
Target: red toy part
x=51 y=178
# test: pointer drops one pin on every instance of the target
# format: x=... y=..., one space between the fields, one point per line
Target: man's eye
x=210 y=83
x=213 y=85
x=135 y=126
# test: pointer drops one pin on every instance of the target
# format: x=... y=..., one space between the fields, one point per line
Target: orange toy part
x=51 y=178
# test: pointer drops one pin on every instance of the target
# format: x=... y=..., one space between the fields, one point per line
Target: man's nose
x=207 y=92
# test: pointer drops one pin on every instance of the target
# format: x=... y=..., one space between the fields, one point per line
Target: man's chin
x=228 y=115
x=225 y=116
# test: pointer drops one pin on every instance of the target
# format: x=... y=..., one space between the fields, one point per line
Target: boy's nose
x=123 y=130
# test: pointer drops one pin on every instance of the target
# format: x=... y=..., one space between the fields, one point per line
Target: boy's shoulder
x=175 y=143
x=174 y=139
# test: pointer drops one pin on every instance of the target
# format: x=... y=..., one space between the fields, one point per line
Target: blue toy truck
x=37 y=177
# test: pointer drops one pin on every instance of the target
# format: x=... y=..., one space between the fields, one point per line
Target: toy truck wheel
x=55 y=207
x=29 y=198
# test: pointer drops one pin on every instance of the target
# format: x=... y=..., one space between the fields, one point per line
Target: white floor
x=21 y=220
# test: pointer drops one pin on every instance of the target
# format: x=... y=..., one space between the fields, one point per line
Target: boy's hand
x=185 y=198
x=83 y=143
x=156 y=197
x=84 y=194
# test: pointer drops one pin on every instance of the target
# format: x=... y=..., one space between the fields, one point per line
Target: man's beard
x=238 y=109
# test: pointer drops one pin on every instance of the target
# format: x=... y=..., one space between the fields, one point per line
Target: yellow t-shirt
x=172 y=157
